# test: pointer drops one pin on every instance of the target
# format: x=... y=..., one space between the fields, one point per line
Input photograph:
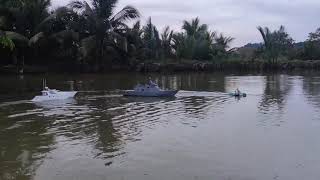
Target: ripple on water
x=132 y=117
x=103 y=133
x=106 y=123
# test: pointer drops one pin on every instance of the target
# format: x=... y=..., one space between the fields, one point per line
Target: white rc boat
x=150 y=90
x=53 y=94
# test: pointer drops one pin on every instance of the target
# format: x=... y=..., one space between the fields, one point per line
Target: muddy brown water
x=202 y=133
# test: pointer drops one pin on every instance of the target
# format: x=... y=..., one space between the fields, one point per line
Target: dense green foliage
x=312 y=46
x=276 y=43
x=92 y=36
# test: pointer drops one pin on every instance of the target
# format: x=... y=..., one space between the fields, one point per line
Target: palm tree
x=54 y=37
x=267 y=39
x=151 y=40
x=135 y=42
x=276 y=43
x=105 y=29
x=314 y=36
x=223 y=42
x=24 y=16
x=20 y=23
x=311 y=49
x=195 y=42
x=194 y=28
x=178 y=44
x=221 y=45
x=166 y=42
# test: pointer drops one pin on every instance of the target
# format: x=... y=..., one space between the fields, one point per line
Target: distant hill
x=247 y=51
x=253 y=45
x=258 y=45
x=299 y=45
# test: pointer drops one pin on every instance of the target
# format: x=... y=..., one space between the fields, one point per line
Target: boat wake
x=14 y=103
x=183 y=93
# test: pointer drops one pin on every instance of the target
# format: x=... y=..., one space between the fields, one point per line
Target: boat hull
x=58 y=96
x=238 y=95
x=163 y=93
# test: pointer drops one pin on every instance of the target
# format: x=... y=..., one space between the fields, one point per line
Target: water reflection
x=25 y=141
x=311 y=88
x=277 y=88
x=203 y=82
x=106 y=123
x=30 y=130
x=155 y=136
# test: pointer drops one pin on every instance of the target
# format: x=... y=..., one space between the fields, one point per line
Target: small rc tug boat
x=150 y=90
x=237 y=93
x=53 y=94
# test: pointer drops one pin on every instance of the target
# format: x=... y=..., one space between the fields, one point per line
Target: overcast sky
x=236 y=18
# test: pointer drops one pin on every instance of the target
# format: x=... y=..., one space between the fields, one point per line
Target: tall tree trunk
x=99 y=53
x=21 y=70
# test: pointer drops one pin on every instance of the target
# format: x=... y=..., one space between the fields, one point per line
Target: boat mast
x=44 y=83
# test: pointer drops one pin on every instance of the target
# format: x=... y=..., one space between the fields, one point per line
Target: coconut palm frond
x=34 y=39
x=188 y=28
x=77 y=4
x=16 y=37
x=194 y=28
x=66 y=34
x=137 y=26
x=6 y=42
x=127 y=13
x=263 y=33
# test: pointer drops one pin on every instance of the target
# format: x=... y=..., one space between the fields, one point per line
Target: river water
x=202 y=133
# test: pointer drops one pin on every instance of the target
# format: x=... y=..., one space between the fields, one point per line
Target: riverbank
x=237 y=65
x=172 y=66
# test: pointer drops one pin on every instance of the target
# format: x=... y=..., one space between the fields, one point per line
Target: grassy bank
x=175 y=66
x=228 y=65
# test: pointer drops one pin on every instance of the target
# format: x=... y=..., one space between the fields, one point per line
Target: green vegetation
x=275 y=44
x=90 y=37
x=6 y=42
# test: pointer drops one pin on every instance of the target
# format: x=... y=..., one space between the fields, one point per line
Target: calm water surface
x=202 y=133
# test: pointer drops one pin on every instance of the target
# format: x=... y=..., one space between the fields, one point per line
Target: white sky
x=236 y=18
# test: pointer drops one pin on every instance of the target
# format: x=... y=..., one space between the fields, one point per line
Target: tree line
x=89 y=34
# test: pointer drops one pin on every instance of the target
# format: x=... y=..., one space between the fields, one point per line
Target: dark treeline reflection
x=311 y=89
x=97 y=119
x=276 y=85
x=28 y=86
x=277 y=88
x=24 y=142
